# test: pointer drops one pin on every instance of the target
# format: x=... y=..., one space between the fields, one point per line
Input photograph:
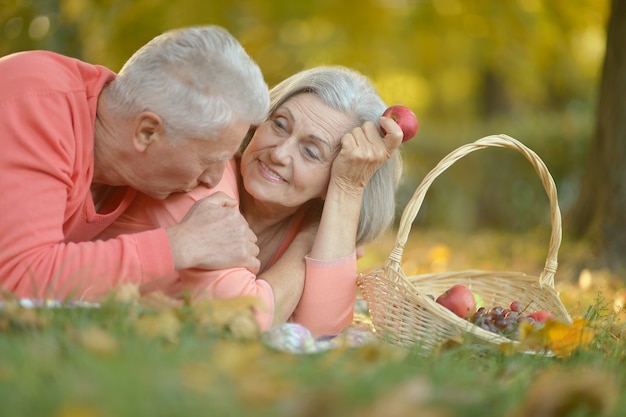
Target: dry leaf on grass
x=165 y=325
x=98 y=340
x=450 y=343
x=75 y=410
x=560 y=338
x=560 y=392
x=618 y=330
x=13 y=315
x=250 y=371
x=410 y=398
x=235 y=315
x=556 y=337
x=126 y=294
x=159 y=301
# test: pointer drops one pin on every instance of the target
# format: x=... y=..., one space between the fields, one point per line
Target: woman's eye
x=311 y=153
x=280 y=123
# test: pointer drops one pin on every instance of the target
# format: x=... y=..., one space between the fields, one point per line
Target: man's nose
x=213 y=174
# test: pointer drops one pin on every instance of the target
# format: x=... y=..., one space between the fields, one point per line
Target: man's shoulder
x=39 y=63
x=45 y=70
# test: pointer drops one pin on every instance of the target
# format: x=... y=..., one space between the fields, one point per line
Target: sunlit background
x=528 y=68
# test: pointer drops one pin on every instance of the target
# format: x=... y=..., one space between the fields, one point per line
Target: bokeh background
x=527 y=68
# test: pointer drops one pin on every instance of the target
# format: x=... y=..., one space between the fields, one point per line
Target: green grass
x=48 y=367
x=127 y=360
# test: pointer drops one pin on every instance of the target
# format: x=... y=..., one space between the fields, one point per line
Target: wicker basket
x=402 y=313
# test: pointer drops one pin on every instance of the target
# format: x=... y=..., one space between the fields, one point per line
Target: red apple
x=458 y=299
x=405 y=118
x=540 y=316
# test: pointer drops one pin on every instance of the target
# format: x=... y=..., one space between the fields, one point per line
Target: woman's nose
x=281 y=152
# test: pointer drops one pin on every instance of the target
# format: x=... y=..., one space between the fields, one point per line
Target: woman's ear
x=148 y=129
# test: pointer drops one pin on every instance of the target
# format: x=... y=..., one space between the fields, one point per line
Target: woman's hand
x=362 y=152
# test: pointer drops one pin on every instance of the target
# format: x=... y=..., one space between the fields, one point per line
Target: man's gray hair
x=199 y=80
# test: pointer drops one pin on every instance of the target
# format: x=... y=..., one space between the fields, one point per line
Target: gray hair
x=352 y=93
x=197 y=79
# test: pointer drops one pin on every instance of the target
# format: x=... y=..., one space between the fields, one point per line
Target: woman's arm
x=279 y=288
x=287 y=274
x=326 y=305
x=362 y=152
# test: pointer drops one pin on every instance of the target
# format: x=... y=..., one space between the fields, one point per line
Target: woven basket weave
x=401 y=310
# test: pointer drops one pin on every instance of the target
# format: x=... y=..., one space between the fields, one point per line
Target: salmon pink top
x=327 y=303
x=47 y=215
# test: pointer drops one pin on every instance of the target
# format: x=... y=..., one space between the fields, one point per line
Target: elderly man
x=79 y=141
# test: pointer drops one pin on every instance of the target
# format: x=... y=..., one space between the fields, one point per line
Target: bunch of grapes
x=503 y=321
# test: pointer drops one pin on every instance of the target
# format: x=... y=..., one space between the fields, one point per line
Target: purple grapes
x=502 y=321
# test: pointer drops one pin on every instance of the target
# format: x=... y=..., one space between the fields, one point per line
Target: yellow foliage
x=75 y=410
x=557 y=392
x=235 y=315
x=98 y=341
x=561 y=339
x=165 y=325
x=14 y=315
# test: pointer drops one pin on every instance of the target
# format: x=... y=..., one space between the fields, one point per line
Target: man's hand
x=214 y=235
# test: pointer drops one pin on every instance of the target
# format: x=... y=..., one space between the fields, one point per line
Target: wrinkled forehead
x=311 y=112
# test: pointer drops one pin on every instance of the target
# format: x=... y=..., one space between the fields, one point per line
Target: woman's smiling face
x=289 y=158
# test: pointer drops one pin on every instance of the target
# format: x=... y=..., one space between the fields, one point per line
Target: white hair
x=197 y=79
x=353 y=94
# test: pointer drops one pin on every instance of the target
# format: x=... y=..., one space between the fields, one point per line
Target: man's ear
x=148 y=130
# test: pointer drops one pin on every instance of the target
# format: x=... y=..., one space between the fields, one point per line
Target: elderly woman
x=315 y=180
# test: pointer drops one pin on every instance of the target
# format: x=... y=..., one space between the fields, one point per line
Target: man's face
x=169 y=168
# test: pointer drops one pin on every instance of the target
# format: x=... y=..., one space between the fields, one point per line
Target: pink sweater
x=327 y=303
x=47 y=216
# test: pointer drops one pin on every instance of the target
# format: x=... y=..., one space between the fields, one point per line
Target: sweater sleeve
x=46 y=167
x=228 y=283
x=146 y=213
x=141 y=259
x=327 y=303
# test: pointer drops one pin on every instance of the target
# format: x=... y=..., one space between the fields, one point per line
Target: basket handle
x=497 y=141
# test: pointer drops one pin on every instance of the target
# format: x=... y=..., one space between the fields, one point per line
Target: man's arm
x=48 y=217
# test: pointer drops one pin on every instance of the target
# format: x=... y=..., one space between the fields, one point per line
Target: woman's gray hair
x=352 y=93
x=197 y=79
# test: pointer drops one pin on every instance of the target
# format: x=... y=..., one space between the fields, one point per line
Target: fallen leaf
x=13 y=315
x=450 y=343
x=618 y=330
x=127 y=294
x=555 y=336
x=164 y=324
x=245 y=367
x=235 y=315
x=558 y=392
x=410 y=398
x=158 y=301
x=98 y=340
x=75 y=410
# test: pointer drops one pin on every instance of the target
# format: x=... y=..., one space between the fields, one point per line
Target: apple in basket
x=540 y=316
x=459 y=299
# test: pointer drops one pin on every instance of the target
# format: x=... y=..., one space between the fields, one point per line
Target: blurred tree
x=40 y=24
x=527 y=68
x=600 y=211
